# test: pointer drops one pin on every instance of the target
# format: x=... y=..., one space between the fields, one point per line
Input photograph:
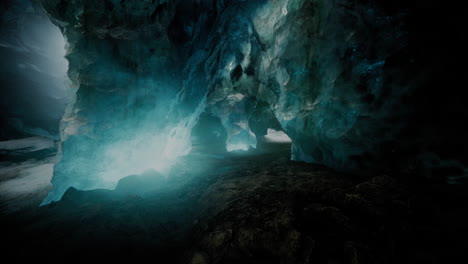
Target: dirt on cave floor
x=248 y=207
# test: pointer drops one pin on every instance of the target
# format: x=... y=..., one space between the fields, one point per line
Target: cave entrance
x=35 y=93
x=276 y=136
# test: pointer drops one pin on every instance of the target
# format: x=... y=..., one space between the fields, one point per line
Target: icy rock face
x=125 y=67
x=346 y=80
x=334 y=75
x=323 y=74
x=357 y=85
x=316 y=67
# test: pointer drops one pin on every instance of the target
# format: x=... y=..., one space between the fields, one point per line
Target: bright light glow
x=277 y=136
x=137 y=156
x=239 y=146
x=158 y=152
x=240 y=137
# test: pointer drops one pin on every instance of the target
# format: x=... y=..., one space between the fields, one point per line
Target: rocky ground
x=254 y=207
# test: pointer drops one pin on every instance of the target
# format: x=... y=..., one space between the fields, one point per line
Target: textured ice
x=146 y=76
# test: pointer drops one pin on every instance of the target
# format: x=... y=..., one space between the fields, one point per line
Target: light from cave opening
x=136 y=156
x=149 y=151
x=238 y=146
x=277 y=136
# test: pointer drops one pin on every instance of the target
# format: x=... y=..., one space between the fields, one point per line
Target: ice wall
x=131 y=113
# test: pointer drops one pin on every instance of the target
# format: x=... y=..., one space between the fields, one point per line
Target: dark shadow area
x=248 y=207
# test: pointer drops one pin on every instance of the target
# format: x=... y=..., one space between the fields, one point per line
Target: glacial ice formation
x=327 y=73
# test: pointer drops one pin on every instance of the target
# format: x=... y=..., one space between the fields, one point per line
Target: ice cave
x=234 y=131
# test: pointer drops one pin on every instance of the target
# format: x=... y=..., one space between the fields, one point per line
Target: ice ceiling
x=147 y=73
